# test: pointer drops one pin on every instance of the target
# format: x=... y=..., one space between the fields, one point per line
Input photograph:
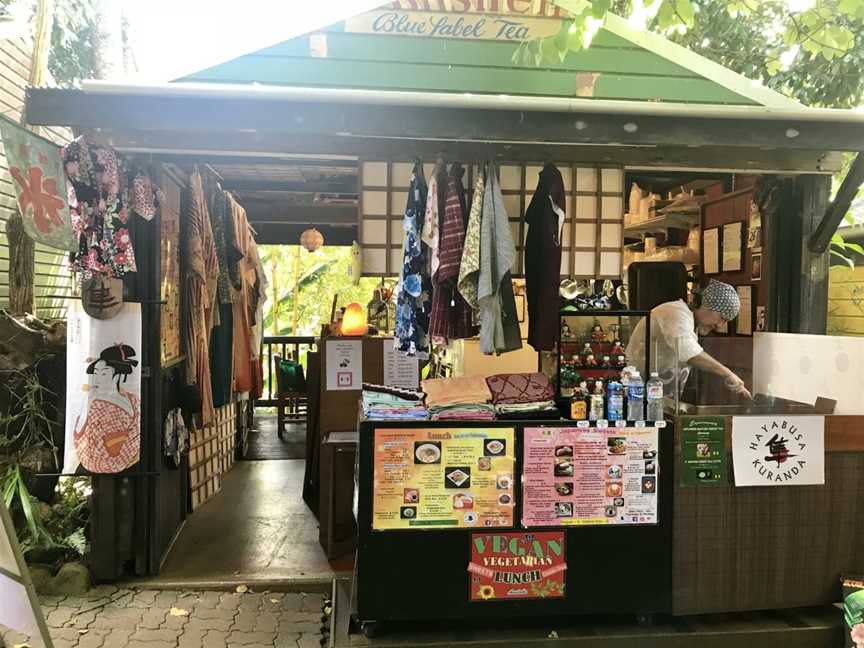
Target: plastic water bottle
x=595 y=403
x=636 y=398
x=615 y=402
x=654 y=393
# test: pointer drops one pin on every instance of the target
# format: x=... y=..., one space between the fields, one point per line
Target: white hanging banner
x=103 y=390
x=778 y=450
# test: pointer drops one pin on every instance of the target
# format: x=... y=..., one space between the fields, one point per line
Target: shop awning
x=187 y=118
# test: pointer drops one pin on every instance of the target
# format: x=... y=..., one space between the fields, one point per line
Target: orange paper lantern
x=311 y=239
x=354 y=320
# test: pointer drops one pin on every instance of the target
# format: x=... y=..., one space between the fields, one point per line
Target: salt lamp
x=354 y=320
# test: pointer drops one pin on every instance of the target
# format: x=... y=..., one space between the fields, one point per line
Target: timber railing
x=287 y=347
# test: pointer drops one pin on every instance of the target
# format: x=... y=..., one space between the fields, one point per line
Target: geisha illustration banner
x=443 y=478
x=36 y=167
x=589 y=476
x=526 y=565
x=103 y=390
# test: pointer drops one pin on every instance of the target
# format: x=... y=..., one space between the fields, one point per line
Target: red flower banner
x=36 y=167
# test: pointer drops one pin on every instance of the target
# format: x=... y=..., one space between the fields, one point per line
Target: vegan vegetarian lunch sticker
x=443 y=478
x=703 y=450
x=526 y=565
x=589 y=476
x=778 y=450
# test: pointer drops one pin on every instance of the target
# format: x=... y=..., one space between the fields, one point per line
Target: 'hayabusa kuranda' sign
x=778 y=450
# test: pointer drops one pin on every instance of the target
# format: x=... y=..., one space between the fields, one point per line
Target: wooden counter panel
x=772 y=547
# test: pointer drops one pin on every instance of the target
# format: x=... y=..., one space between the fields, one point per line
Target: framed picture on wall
x=744 y=322
x=733 y=247
x=711 y=251
x=756 y=267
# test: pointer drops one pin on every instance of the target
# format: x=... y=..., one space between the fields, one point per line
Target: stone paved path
x=108 y=617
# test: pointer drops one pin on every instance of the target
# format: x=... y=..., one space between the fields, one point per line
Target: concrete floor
x=257 y=529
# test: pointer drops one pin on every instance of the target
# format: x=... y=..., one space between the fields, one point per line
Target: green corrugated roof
x=621 y=63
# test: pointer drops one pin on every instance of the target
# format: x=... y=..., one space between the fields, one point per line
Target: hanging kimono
x=413 y=294
x=201 y=285
x=243 y=302
x=451 y=315
x=98 y=210
x=499 y=326
x=260 y=296
x=222 y=336
x=469 y=268
x=545 y=219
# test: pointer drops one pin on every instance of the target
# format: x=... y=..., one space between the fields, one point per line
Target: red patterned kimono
x=452 y=317
x=109 y=440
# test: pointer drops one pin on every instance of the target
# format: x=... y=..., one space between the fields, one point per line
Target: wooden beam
x=280 y=213
x=171 y=145
x=108 y=111
x=289 y=234
x=839 y=206
x=345 y=184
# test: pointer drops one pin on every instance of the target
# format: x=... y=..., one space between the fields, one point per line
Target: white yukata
x=673 y=343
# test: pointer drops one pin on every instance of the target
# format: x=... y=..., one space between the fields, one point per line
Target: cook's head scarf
x=721 y=298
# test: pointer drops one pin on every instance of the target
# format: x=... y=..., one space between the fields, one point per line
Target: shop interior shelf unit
x=617 y=325
x=663 y=223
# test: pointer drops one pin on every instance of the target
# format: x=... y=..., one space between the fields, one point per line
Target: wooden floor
x=257 y=529
x=808 y=628
x=265 y=444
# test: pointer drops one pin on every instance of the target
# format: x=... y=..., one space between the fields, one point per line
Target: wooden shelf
x=662 y=223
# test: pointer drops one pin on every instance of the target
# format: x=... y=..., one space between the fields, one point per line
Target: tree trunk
x=22 y=260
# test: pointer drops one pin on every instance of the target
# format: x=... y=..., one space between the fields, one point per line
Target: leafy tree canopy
x=810 y=50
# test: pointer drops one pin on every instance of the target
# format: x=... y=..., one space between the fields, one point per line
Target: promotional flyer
x=443 y=478
x=590 y=476
x=506 y=566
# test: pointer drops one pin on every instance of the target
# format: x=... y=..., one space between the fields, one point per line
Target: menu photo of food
x=494 y=447
x=457 y=477
x=434 y=478
x=427 y=452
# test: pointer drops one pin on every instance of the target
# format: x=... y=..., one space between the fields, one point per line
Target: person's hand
x=736 y=385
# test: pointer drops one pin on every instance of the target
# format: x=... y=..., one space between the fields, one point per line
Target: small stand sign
x=19 y=607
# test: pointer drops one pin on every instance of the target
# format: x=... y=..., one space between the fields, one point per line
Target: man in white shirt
x=674 y=342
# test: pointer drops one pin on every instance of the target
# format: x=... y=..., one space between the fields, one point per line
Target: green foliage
x=76 y=40
x=814 y=55
x=27 y=447
x=323 y=274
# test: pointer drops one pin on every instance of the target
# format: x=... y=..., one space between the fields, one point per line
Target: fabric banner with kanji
x=36 y=167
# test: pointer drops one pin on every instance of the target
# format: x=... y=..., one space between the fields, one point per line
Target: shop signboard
x=519 y=565
x=703 y=450
x=513 y=21
x=778 y=450
x=590 y=476
x=443 y=478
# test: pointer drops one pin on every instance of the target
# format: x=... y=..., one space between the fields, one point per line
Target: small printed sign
x=344 y=364
x=703 y=450
x=778 y=450
x=520 y=565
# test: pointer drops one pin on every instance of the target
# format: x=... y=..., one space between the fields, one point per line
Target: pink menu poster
x=589 y=476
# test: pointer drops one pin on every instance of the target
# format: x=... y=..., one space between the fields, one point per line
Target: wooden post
x=810 y=312
x=22 y=263
x=296 y=315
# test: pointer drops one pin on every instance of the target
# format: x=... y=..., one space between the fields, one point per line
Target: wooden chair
x=290 y=405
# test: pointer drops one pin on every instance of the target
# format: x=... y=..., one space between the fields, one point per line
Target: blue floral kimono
x=414 y=293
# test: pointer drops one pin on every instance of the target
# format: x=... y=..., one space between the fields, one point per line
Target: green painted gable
x=615 y=67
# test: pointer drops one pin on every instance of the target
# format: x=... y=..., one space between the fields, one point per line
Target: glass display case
x=785 y=373
x=599 y=352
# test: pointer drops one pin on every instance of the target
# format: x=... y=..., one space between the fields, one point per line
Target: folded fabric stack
x=523 y=396
x=464 y=398
x=382 y=402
